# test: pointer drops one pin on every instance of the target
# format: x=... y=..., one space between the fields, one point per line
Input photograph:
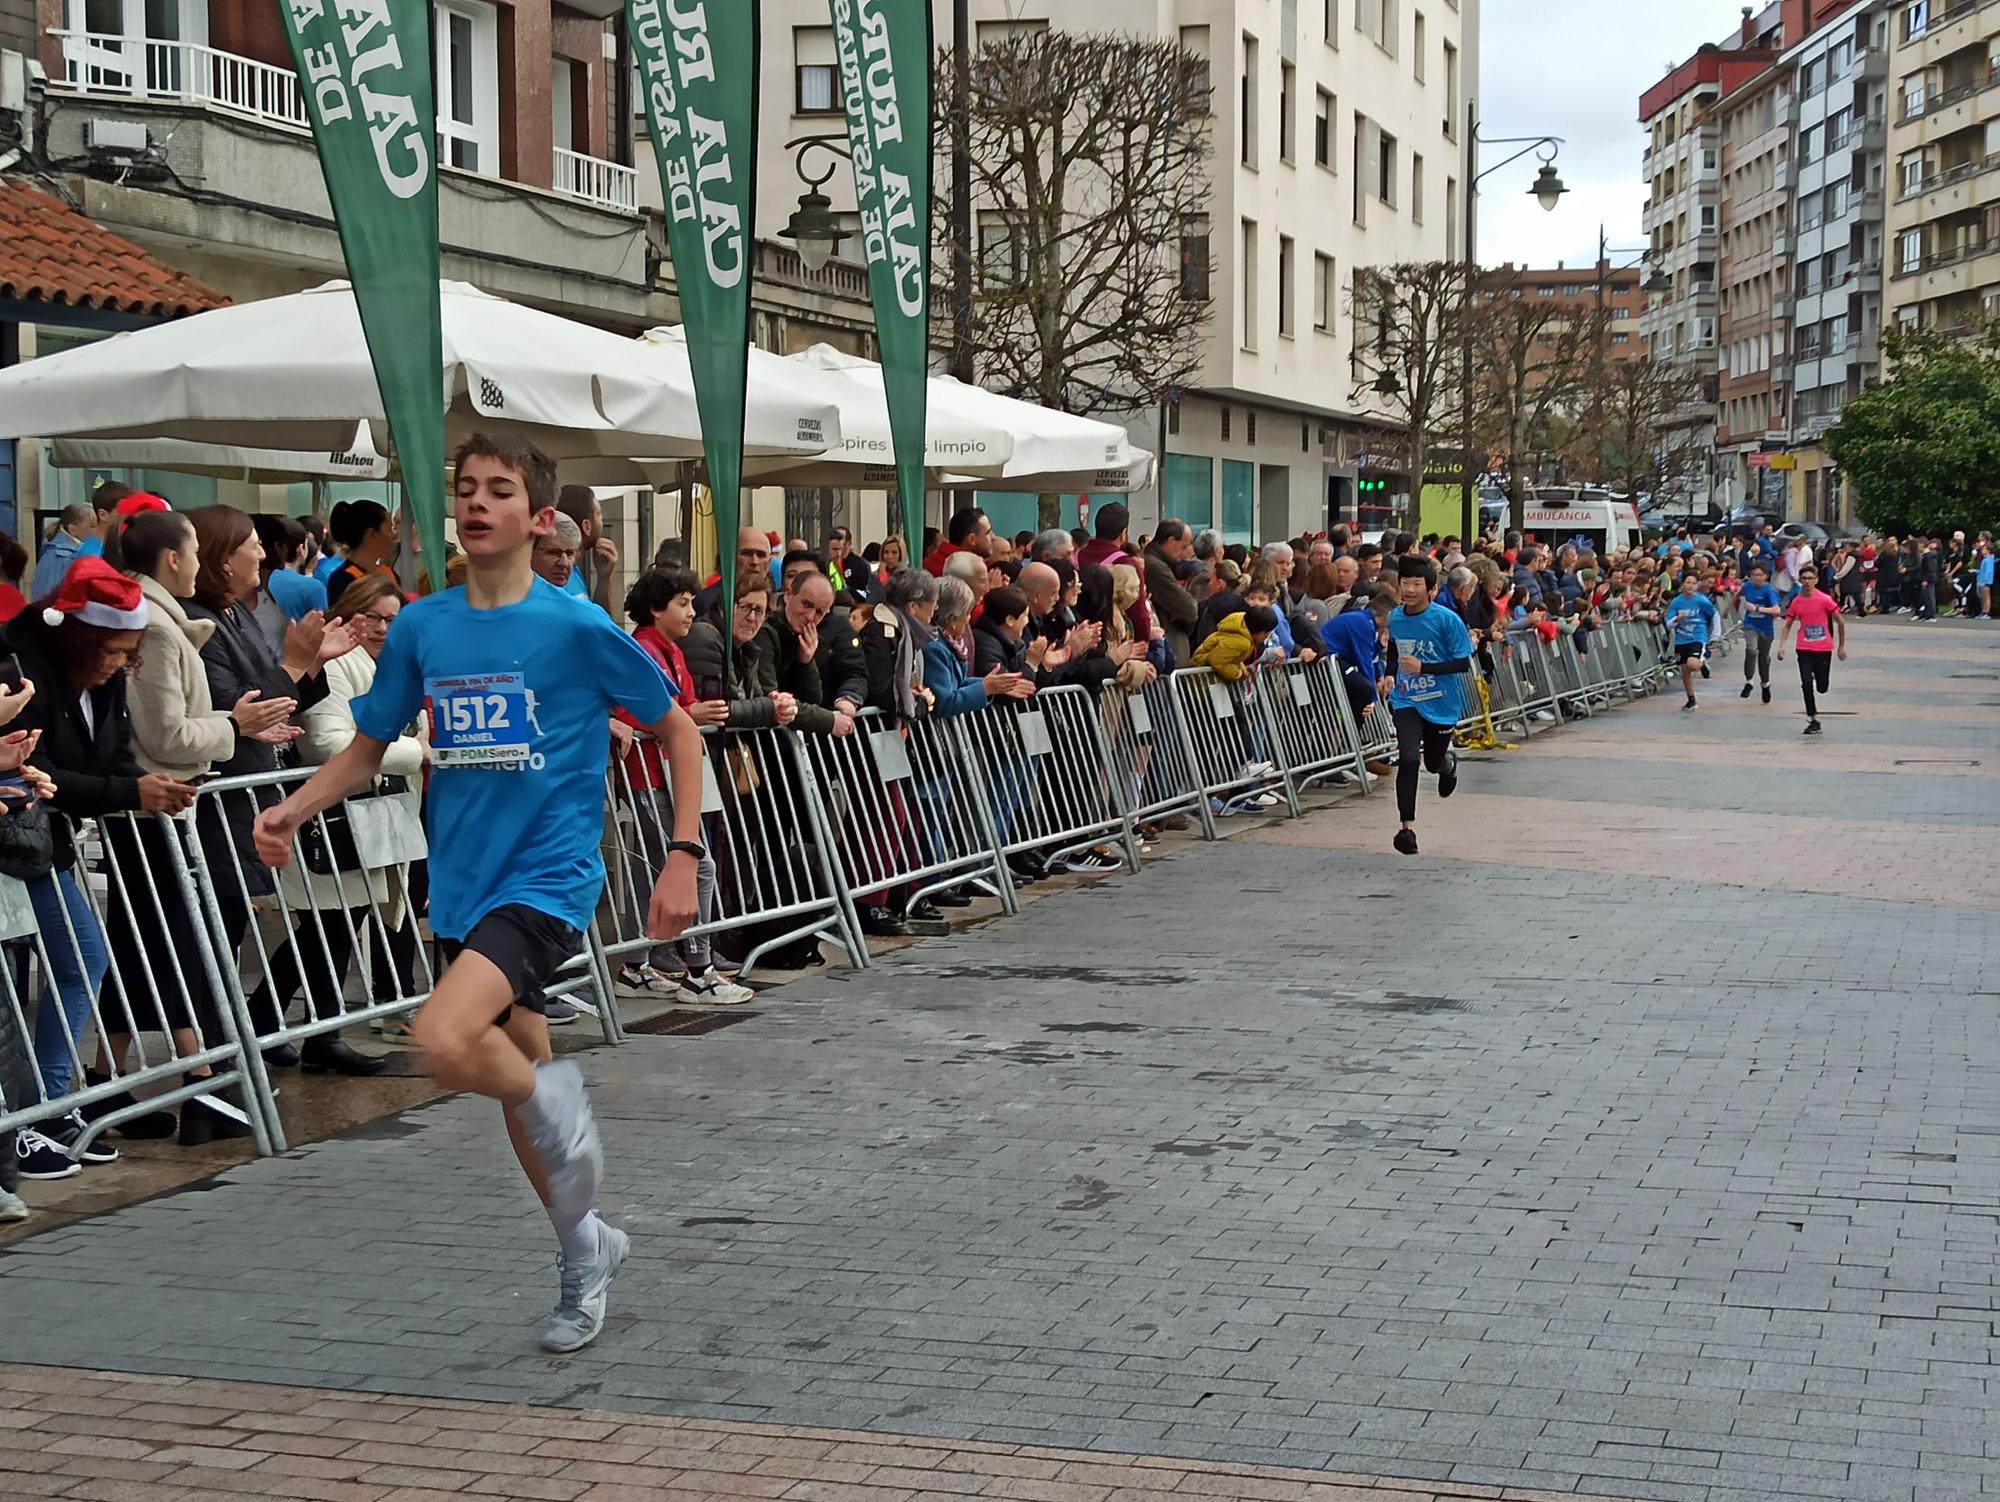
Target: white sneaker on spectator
x=646 y=978
x=1253 y=771
x=560 y=1014
x=713 y=989
x=1091 y=863
x=13 y=1208
x=1267 y=800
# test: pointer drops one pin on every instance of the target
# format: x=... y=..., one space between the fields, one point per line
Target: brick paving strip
x=125 y=1438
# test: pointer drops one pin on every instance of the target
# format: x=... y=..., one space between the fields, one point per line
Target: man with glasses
x=555 y=552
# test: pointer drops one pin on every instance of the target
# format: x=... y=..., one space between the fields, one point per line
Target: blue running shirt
x=520 y=701
x=1760 y=594
x=1434 y=634
x=1693 y=618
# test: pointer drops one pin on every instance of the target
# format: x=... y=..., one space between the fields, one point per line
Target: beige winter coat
x=329 y=729
x=176 y=729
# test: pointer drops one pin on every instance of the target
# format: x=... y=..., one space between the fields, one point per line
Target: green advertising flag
x=364 y=69
x=884 y=47
x=697 y=62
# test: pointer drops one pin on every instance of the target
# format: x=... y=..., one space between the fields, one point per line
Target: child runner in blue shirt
x=1761 y=609
x=521 y=681
x=1431 y=652
x=1695 y=620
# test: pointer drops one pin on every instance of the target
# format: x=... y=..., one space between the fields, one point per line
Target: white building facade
x=1338 y=143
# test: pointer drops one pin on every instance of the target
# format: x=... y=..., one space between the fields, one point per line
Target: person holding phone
x=75 y=647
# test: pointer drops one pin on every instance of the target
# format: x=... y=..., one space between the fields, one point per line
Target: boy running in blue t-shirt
x=1761 y=609
x=520 y=680
x=1695 y=620
x=1431 y=652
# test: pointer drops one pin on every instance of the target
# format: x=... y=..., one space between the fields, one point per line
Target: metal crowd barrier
x=904 y=812
x=802 y=828
x=1151 y=755
x=1048 y=776
x=765 y=825
x=129 y=910
x=1317 y=738
x=1232 y=742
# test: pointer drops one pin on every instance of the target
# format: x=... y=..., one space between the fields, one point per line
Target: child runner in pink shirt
x=1822 y=632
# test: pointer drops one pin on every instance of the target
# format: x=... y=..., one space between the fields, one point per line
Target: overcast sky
x=1576 y=69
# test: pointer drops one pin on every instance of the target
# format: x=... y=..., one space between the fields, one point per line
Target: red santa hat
x=98 y=595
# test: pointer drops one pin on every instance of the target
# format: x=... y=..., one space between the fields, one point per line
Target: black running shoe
x=1767 y=693
x=1448 y=778
x=1812 y=728
x=1406 y=841
x=1746 y=690
x=1704 y=667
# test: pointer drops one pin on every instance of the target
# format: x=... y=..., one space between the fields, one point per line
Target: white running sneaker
x=12 y=1208
x=712 y=988
x=565 y=1136
x=586 y=1292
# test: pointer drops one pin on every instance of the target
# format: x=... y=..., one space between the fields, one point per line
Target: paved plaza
x=1640 y=1139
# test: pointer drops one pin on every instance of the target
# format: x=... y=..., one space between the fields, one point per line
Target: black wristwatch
x=688 y=847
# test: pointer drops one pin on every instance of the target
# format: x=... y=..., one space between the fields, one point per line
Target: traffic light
x=1369 y=487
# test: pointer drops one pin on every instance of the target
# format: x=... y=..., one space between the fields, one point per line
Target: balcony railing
x=143 y=68
x=594 y=180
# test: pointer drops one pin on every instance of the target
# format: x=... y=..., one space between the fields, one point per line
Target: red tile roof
x=51 y=253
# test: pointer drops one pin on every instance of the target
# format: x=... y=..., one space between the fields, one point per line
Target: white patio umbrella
x=293 y=374
x=1134 y=472
x=1048 y=450
x=180 y=456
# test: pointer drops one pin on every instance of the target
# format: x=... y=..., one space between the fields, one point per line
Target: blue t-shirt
x=1760 y=594
x=1985 y=575
x=573 y=585
x=1434 y=634
x=1693 y=618
x=327 y=565
x=296 y=595
x=520 y=700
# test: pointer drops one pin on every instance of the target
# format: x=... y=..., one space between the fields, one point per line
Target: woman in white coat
x=354 y=875
x=178 y=731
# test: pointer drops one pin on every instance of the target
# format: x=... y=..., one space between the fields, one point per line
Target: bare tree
x=1535 y=357
x=1090 y=185
x=1409 y=329
x=1636 y=446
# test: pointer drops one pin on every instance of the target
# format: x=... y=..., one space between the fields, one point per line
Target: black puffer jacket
x=91 y=763
x=239 y=658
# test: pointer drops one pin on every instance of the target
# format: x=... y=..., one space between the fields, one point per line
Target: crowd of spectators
x=236 y=645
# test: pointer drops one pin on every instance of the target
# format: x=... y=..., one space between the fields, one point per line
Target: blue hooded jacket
x=1351 y=636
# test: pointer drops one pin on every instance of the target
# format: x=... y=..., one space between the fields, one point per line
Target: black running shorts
x=529 y=947
x=1690 y=651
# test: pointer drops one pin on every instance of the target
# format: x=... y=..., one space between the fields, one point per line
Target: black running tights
x=1417 y=738
x=1815 y=669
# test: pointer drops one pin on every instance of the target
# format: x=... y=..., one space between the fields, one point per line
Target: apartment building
x=1578 y=292
x=1943 y=150
x=1337 y=144
x=1682 y=167
x=1840 y=83
x=1754 y=278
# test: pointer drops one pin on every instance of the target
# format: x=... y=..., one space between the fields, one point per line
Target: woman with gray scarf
x=893 y=645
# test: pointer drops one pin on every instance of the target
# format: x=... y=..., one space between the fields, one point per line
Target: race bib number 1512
x=483 y=721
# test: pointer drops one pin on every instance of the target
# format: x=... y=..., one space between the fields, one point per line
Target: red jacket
x=644 y=766
x=1104 y=553
x=934 y=560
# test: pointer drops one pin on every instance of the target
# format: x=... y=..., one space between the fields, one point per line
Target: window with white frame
x=1325 y=292
x=1910 y=172
x=467 y=52
x=1910 y=249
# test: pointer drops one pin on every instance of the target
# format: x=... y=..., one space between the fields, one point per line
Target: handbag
x=27 y=842
x=366 y=832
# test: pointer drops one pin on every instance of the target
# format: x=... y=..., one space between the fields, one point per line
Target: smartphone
x=10 y=673
x=14 y=790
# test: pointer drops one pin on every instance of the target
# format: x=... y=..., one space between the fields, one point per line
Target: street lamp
x=814 y=228
x=1548 y=191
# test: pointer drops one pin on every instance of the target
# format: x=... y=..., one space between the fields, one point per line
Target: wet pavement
x=1641 y=1138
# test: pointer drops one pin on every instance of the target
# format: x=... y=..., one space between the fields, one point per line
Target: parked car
x=1810 y=532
